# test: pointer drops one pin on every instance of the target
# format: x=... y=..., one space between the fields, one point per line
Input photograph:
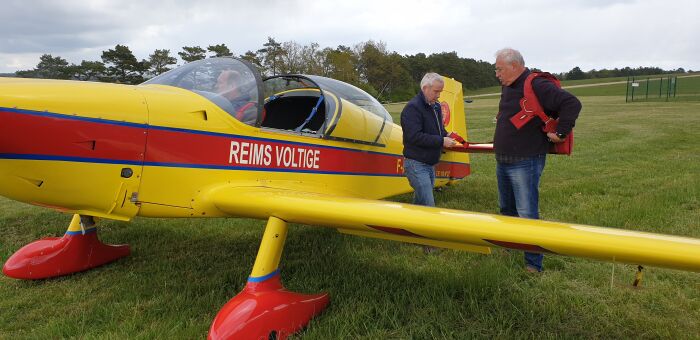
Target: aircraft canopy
x=304 y=104
x=229 y=83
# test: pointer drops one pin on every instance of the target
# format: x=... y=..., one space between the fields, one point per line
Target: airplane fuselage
x=151 y=149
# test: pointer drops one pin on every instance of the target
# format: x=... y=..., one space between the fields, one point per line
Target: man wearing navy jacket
x=424 y=136
x=521 y=152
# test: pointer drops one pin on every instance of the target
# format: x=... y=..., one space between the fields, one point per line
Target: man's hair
x=510 y=56
x=232 y=76
x=430 y=78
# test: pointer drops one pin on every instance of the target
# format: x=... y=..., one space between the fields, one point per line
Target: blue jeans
x=421 y=176
x=518 y=194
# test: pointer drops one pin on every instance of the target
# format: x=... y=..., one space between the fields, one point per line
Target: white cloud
x=553 y=35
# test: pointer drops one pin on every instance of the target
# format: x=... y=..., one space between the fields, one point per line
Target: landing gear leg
x=265 y=309
x=638 y=277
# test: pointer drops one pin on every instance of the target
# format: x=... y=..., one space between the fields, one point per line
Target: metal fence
x=663 y=88
x=660 y=88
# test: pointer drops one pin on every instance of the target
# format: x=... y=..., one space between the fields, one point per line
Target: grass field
x=635 y=166
x=688 y=88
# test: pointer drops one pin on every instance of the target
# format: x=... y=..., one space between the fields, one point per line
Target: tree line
x=369 y=65
x=576 y=73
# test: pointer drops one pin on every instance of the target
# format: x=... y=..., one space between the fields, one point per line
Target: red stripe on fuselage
x=173 y=146
x=62 y=136
x=52 y=135
x=166 y=146
x=452 y=170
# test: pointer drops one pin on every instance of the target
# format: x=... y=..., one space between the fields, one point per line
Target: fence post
x=675 y=86
x=647 y=95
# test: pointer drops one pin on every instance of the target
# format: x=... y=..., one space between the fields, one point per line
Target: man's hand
x=448 y=142
x=554 y=138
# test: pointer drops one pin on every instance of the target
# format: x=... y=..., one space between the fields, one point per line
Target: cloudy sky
x=552 y=35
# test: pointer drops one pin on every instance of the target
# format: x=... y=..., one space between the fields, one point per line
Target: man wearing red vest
x=521 y=150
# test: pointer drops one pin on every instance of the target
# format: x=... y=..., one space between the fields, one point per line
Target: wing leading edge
x=457 y=229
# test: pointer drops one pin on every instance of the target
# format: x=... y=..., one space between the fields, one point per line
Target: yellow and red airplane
x=292 y=148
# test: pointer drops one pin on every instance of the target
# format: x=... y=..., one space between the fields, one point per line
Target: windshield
x=280 y=84
x=353 y=95
x=229 y=83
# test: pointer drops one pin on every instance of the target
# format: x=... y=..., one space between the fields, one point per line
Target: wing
x=455 y=228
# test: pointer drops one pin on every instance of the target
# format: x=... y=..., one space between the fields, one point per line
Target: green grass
x=688 y=88
x=497 y=89
x=635 y=166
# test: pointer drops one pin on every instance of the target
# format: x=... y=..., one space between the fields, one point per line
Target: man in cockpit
x=228 y=85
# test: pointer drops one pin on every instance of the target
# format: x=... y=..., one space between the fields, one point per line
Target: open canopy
x=304 y=104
